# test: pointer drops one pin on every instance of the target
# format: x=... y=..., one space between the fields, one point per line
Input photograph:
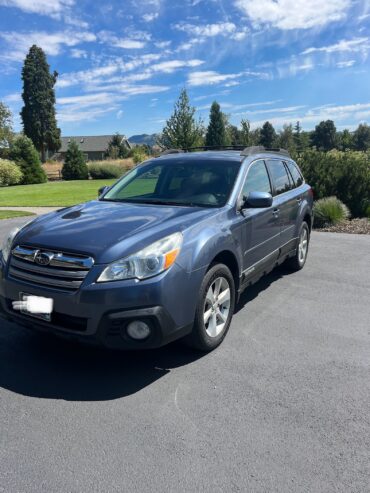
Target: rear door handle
x=299 y=200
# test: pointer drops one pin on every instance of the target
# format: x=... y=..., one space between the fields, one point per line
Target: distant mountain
x=147 y=139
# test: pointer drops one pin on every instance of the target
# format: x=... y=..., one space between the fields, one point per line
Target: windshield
x=188 y=183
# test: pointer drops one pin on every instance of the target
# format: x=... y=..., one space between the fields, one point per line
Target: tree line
x=183 y=130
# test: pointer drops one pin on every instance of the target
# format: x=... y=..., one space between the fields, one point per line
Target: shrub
x=10 y=173
x=329 y=211
x=100 y=171
x=24 y=154
x=74 y=167
x=345 y=174
x=138 y=154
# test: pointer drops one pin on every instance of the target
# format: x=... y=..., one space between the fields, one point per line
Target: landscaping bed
x=354 y=226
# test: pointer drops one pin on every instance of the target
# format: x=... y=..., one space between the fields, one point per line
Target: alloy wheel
x=217 y=306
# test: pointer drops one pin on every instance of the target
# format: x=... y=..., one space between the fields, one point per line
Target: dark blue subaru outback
x=163 y=254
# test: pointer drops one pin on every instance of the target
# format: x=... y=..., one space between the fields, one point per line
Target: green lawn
x=11 y=214
x=57 y=193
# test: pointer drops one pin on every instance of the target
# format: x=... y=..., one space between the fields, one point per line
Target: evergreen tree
x=74 y=167
x=361 y=137
x=297 y=135
x=181 y=130
x=6 y=129
x=267 y=135
x=23 y=152
x=286 y=138
x=216 y=131
x=116 y=148
x=38 y=112
x=324 y=137
x=245 y=133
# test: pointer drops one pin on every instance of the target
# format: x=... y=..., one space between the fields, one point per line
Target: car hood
x=108 y=230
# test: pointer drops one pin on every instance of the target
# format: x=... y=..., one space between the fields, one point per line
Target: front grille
x=56 y=270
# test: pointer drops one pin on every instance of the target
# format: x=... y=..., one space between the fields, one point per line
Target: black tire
x=297 y=262
x=199 y=337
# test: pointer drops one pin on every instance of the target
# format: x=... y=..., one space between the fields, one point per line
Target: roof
x=90 y=143
x=205 y=155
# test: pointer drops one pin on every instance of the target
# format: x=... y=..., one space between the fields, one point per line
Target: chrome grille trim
x=59 y=260
x=65 y=272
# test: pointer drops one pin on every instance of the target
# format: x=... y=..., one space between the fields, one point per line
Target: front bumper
x=99 y=313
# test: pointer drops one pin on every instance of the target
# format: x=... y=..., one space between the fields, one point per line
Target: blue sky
x=123 y=63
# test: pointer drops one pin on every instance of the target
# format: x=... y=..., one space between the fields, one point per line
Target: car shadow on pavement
x=253 y=291
x=43 y=366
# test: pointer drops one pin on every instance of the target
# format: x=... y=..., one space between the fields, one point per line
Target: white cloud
x=119 y=114
x=45 y=7
x=76 y=53
x=162 y=44
x=74 y=78
x=171 y=66
x=345 y=45
x=52 y=44
x=294 y=14
x=346 y=64
x=354 y=113
x=210 y=77
x=207 y=30
x=150 y=17
x=129 y=43
x=56 y=9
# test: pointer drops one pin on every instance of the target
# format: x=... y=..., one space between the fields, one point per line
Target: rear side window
x=279 y=176
x=257 y=179
x=296 y=175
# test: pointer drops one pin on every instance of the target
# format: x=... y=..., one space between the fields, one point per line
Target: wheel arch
x=229 y=259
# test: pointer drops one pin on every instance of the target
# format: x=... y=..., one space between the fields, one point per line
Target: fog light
x=138 y=330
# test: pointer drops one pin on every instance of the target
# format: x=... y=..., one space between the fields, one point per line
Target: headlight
x=149 y=262
x=7 y=245
x=8 y=242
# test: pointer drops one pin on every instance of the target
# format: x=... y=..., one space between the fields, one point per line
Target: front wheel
x=297 y=262
x=215 y=309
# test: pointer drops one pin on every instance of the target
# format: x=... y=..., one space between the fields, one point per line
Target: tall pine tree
x=216 y=131
x=267 y=135
x=182 y=131
x=38 y=112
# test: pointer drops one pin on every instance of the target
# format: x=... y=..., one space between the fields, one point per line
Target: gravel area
x=355 y=226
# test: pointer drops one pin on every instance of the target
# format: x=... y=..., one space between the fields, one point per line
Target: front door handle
x=299 y=200
x=275 y=213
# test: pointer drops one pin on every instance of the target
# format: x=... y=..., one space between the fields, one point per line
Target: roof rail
x=248 y=151
x=171 y=151
x=216 y=148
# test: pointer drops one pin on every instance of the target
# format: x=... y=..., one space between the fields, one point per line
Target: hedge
x=344 y=174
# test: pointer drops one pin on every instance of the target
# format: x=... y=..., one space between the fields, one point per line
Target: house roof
x=90 y=143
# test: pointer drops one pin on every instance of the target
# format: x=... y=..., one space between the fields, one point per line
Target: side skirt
x=254 y=273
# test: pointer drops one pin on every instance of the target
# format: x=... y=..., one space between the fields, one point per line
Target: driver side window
x=257 y=179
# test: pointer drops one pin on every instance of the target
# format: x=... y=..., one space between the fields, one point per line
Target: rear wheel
x=215 y=309
x=297 y=262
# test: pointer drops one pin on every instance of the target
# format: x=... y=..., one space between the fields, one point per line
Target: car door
x=261 y=230
x=285 y=203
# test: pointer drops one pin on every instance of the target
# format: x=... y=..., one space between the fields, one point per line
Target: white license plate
x=36 y=306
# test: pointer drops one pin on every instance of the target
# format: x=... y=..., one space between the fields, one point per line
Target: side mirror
x=103 y=190
x=258 y=200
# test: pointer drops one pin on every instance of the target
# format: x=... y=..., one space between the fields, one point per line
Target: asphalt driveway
x=283 y=405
